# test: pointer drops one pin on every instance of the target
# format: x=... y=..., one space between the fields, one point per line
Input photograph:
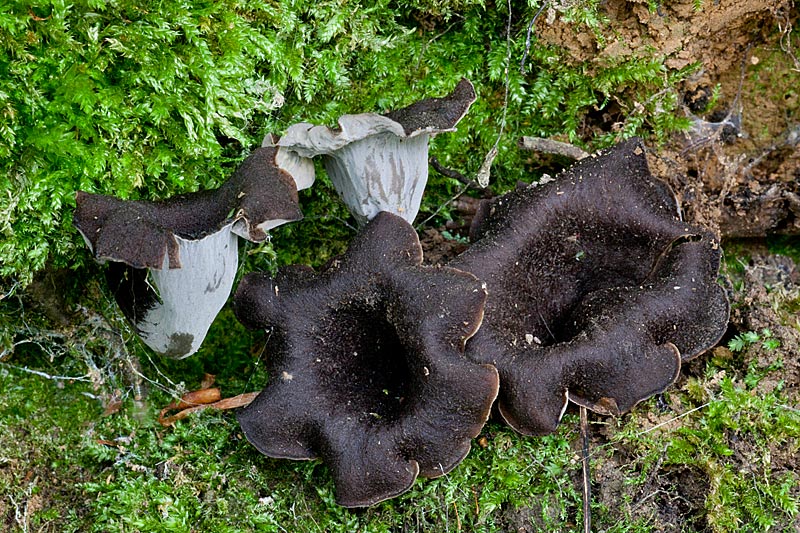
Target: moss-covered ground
x=148 y=99
x=715 y=451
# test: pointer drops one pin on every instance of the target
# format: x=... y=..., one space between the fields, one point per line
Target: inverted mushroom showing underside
x=173 y=262
x=380 y=162
x=597 y=290
x=366 y=364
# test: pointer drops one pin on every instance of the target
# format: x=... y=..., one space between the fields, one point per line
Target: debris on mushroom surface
x=173 y=262
x=367 y=364
x=597 y=290
x=380 y=162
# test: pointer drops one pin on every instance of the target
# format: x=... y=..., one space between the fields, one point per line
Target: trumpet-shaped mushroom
x=597 y=290
x=367 y=367
x=187 y=246
x=380 y=162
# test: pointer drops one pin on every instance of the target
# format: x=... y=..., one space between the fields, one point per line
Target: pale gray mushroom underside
x=371 y=162
x=377 y=163
x=174 y=262
x=201 y=285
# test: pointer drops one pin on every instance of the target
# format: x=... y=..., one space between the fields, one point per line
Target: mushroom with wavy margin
x=366 y=363
x=380 y=162
x=173 y=262
x=597 y=290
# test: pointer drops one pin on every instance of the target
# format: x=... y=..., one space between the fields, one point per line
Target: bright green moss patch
x=731 y=438
x=146 y=100
x=720 y=434
x=130 y=474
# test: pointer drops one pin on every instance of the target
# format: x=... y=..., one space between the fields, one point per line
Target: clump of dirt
x=679 y=30
x=528 y=519
x=671 y=498
x=440 y=245
x=48 y=293
x=738 y=168
x=768 y=300
x=438 y=249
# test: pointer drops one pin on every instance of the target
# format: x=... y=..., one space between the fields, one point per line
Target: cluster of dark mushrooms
x=588 y=289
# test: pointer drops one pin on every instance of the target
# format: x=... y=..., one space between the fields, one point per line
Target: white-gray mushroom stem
x=380 y=162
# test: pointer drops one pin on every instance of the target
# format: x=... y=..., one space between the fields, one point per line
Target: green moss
x=727 y=436
x=146 y=100
x=133 y=475
x=787 y=245
x=753 y=493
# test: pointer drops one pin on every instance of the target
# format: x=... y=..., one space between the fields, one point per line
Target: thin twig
x=48 y=376
x=587 y=474
x=785 y=27
x=549 y=146
x=482 y=177
x=528 y=37
x=449 y=172
x=160 y=373
x=438 y=209
x=135 y=371
x=673 y=419
x=345 y=223
x=10 y=292
x=427 y=44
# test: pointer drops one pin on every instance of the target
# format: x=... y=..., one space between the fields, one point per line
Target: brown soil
x=671 y=499
x=437 y=249
x=738 y=168
x=767 y=299
x=678 y=30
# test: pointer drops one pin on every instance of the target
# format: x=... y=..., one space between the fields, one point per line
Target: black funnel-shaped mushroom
x=380 y=162
x=597 y=290
x=366 y=363
x=173 y=262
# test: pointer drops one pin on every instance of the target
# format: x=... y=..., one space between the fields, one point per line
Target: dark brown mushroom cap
x=190 y=245
x=596 y=290
x=142 y=234
x=367 y=364
x=436 y=114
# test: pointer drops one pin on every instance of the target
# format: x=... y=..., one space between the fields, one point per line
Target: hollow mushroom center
x=564 y=274
x=364 y=364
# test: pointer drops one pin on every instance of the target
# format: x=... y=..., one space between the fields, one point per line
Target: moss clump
x=146 y=100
